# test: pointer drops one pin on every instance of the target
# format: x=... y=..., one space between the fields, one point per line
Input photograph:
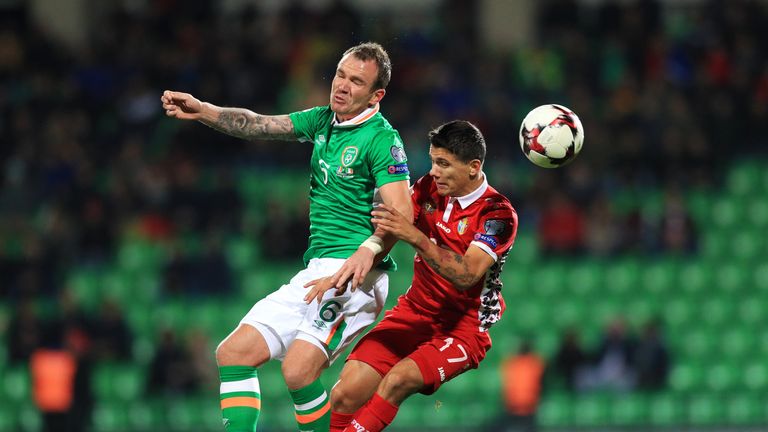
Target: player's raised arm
x=237 y=122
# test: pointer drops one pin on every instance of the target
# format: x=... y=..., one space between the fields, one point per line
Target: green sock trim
x=237 y=373
x=308 y=393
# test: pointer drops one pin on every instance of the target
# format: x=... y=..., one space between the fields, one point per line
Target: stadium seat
x=743 y=179
x=592 y=409
x=686 y=376
x=109 y=416
x=118 y=382
x=658 y=277
x=727 y=213
x=706 y=409
x=722 y=376
x=746 y=244
x=747 y=409
x=8 y=416
x=622 y=277
x=629 y=409
x=585 y=278
x=242 y=253
x=667 y=409
x=86 y=287
x=694 y=277
x=757 y=212
x=755 y=375
x=556 y=410
x=16 y=384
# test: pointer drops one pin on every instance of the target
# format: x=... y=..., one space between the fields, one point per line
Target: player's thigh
x=357 y=383
x=303 y=364
x=245 y=346
x=445 y=358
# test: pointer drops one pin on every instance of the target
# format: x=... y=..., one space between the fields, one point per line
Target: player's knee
x=297 y=375
x=225 y=355
x=345 y=400
x=400 y=382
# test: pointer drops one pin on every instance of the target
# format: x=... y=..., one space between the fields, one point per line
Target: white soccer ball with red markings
x=551 y=135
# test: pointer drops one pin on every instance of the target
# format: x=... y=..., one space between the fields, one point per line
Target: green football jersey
x=350 y=160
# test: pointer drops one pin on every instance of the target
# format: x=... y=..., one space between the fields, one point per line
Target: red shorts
x=442 y=351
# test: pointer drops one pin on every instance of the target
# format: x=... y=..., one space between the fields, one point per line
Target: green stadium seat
x=745 y=409
x=746 y=244
x=757 y=212
x=622 y=277
x=737 y=342
x=750 y=310
x=585 y=278
x=722 y=377
x=759 y=278
x=695 y=277
x=717 y=310
x=706 y=409
x=592 y=409
x=686 y=377
x=658 y=278
x=699 y=203
x=744 y=179
x=242 y=253
x=29 y=418
x=140 y=255
x=755 y=375
x=629 y=409
x=110 y=416
x=549 y=281
x=667 y=409
x=16 y=384
x=525 y=250
x=86 y=287
x=8 y=417
x=556 y=410
x=727 y=213
x=678 y=311
x=714 y=245
x=118 y=382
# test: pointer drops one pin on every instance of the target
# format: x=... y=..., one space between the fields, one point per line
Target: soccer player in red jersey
x=462 y=231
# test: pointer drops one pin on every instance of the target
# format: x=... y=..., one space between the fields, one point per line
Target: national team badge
x=429 y=207
x=461 y=227
x=349 y=155
x=320 y=139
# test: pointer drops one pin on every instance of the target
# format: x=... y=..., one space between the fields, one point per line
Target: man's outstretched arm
x=237 y=122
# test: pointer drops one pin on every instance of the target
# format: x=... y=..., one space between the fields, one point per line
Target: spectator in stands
x=614 y=360
x=652 y=358
x=112 y=338
x=569 y=361
x=169 y=371
x=25 y=332
x=521 y=380
x=561 y=226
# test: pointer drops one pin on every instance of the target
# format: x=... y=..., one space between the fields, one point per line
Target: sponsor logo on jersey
x=461 y=227
x=358 y=427
x=398 y=169
x=345 y=172
x=441 y=371
x=489 y=240
x=494 y=227
x=443 y=227
x=348 y=155
x=397 y=152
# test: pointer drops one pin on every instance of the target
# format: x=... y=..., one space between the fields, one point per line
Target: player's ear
x=475 y=166
x=377 y=96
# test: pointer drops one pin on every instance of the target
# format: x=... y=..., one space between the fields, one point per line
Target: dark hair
x=373 y=51
x=461 y=138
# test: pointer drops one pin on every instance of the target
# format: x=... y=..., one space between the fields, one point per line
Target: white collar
x=471 y=197
x=359 y=119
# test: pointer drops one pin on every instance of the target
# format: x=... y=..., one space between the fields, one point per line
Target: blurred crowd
x=667 y=93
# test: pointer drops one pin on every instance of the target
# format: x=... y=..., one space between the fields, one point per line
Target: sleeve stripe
x=487 y=249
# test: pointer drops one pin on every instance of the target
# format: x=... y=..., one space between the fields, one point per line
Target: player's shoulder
x=495 y=202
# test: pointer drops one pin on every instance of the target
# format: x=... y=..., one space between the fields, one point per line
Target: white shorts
x=283 y=316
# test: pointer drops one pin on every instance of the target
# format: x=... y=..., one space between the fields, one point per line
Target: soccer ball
x=551 y=136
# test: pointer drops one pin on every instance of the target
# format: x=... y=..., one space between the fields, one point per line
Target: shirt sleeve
x=306 y=123
x=497 y=229
x=388 y=160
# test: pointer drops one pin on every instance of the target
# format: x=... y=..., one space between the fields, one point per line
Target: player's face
x=452 y=176
x=352 y=87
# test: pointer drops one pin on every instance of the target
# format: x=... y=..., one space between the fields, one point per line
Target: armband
x=374 y=244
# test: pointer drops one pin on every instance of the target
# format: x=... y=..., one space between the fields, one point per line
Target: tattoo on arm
x=446 y=266
x=248 y=125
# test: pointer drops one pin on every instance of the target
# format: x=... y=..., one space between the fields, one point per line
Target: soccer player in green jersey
x=357 y=159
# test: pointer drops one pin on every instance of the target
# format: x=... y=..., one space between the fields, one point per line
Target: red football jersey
x=485 y=219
